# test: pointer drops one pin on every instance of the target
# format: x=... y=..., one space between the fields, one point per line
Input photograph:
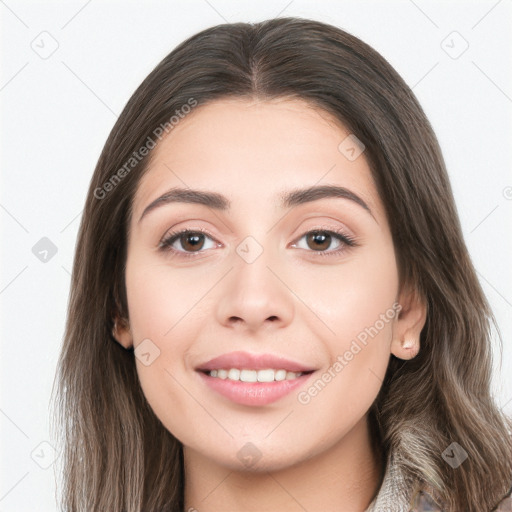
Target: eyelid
x=339 y=230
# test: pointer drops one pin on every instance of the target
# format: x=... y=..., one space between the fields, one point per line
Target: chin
x=252 y=461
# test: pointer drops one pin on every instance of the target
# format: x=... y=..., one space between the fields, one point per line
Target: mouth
x=253 y=379
x=252 y=375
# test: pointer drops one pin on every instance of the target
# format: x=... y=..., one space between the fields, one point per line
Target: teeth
x=280 y=375
x=234 y=374
x=266 y=375
x=245 y=375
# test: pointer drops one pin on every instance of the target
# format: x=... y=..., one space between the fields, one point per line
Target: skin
x=289 y=301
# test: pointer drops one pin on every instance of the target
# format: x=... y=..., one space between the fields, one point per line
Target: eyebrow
x=287 y=199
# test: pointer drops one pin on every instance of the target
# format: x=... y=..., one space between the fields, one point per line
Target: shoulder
x=425 y=503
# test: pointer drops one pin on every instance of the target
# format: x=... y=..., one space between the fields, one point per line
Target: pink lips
x=253 y=362
x=253 y=393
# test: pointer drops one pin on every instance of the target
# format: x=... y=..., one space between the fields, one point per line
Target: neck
x=344 y=477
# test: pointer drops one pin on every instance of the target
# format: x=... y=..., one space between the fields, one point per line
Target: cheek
x=351 y=297
x=160 y=310
x=161 y=301
x=357 y=310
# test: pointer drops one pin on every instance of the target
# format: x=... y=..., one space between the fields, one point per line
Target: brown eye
x=192 y=241
x=318 y=240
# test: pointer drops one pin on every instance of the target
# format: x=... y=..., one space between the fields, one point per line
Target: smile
x=253 y=379
x=245 y=375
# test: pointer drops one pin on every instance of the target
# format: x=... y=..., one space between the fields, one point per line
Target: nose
x=255 y=296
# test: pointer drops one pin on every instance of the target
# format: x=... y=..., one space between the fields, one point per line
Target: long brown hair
x=117 y=456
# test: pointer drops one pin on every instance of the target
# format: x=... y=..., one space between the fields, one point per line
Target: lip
x=253 y=393
x=249 y=361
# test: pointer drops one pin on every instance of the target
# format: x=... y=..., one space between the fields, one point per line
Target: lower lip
x=253 y=393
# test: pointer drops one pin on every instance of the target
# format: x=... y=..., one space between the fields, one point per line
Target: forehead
x=253 y=150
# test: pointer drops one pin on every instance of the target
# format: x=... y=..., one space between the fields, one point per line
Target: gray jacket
x=394 y=495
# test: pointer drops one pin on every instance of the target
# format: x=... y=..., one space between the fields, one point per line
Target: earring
x=408 y=344
x=412 y=348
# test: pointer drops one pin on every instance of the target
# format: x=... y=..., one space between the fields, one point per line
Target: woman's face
x=253 y=279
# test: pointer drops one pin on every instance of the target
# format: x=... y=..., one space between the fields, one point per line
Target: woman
x=272 y=306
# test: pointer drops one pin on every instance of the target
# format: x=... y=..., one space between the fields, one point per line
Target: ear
x=122 y=333
x=409 y=324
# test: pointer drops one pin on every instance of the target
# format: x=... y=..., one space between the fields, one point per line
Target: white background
x=57 y=112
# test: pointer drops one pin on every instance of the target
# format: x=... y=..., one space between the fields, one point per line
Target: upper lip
x=246 y=360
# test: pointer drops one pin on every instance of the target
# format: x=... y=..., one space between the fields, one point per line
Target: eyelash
x=166 y=243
